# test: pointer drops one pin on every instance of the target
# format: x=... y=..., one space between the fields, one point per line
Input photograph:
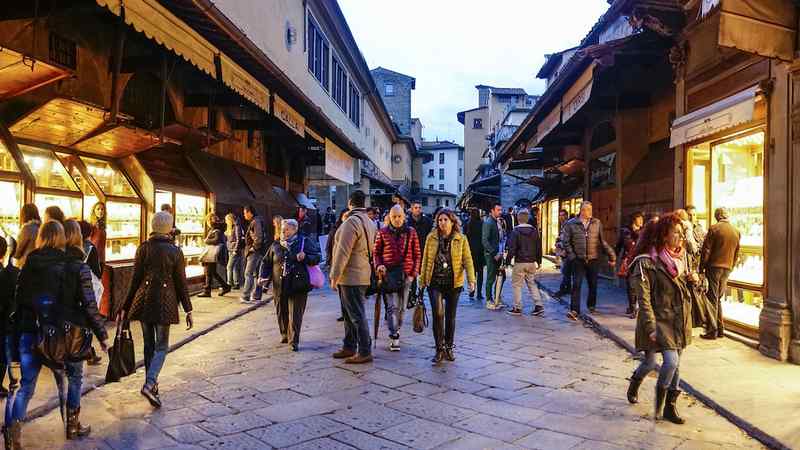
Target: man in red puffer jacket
x=397 y=245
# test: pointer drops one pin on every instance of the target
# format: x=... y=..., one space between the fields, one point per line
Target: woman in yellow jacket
x=444 y=261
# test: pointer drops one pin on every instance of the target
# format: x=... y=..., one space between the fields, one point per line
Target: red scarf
x=673 y=260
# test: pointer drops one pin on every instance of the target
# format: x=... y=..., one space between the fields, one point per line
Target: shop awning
x=763 y=27
x=549 y=123
x=259 y=185
x=238 y=79
x=168 y=168
x=286 y=198
x=60 y=121
x=20 y=74
x=220 y=178
x=303 y=200
x=724 y=114
x=339 y=164
x=578 y=94
x=118 y=141
x=288 y=115
x=157 y=23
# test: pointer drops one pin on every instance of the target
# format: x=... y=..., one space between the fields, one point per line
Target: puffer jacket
x=524 y=245
x=158 y=284
x=665 y=306
x=50 y=273
x=350 y=264
x=461 y=259
x=585 y=244
x=390 y=247
x=272 y=265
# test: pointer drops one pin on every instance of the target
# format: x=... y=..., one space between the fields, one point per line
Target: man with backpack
x=256 y=240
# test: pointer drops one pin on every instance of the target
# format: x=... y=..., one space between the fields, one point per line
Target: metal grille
x=63 y=52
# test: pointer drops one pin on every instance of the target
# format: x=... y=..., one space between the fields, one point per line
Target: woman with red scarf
x=660 y=278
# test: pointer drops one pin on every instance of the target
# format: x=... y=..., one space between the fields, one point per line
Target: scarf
x=287 y=243
x=673 y=261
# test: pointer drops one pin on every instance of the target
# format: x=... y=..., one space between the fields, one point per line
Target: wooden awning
x=60 y=121
x=288 y=115
x=118 y=141
x=549 y=123
x=160 y=25
x=238 y=79
x=20 y=74
x=763 y=27
x=578 y=94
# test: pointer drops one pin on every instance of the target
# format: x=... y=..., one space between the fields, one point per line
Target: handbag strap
x=366 y=237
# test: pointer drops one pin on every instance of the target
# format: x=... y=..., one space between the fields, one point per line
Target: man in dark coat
x=492 y=237
x=719 y=255
x=421 y=223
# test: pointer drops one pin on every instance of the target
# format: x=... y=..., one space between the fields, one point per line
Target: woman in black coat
x=474 y=235
x=215 y=253
x=293 y=252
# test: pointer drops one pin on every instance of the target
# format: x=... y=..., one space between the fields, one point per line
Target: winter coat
x=474 y=232
x=8 y=290
x=92 y=258
x=255 y=237
x=627 y=241
x=98 y=238
x=721 y=247
x=524 y=245
x=52 y=273
x=158 y=284
x=423 y=227
x=235 y=242
x=350 y=265
x=390 y=247
x=490 y=238
x=460 y=254
x=306 y=226
x=665 y=306
x=585 y=244
x=216 y=252
x=26 y=241
x=272 y=264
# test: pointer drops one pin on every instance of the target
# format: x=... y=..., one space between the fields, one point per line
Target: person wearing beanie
x=159 y=262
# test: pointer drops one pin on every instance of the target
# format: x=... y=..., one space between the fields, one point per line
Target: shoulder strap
x=366 y=237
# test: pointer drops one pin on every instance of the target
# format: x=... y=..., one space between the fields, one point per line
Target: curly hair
x=450 y=215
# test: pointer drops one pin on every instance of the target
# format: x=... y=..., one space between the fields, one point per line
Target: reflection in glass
x=7 y=163
x=47 y=169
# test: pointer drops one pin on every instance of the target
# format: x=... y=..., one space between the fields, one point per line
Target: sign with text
x=338 y=164
x=549 y=123
x=289 y=116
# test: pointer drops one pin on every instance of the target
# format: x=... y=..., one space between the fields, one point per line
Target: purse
x=63 y=342
x=420 y=314
x=315 y=276
x=121 y=357
x=395 y=277
x=372 y=289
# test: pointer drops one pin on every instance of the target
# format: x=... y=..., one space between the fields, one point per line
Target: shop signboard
x=289 y=116
x=549 y=123
x=603 y=171
x=339 y=164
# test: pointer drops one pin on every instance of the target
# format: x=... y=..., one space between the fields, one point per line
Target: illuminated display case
x=11 y=193
x=730 y=173
x=54 y=184
x=551 y=226
x=190 y=211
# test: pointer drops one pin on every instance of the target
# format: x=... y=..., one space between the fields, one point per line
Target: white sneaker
x=394 y=345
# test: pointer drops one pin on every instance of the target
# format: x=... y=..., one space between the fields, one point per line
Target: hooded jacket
x=524 y=245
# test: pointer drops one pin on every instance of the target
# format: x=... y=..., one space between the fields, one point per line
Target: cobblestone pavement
x=518 y=382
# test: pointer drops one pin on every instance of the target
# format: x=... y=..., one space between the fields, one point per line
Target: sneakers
x=515 y=311
x=394 y=344
x=572 y=315
x=538 y=311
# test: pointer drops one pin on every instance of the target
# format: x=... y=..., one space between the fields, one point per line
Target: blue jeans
x=566 y=276
x=234 y=270
x=669 y=375
x=251 y=289
x=75 y=378
x=356 y=328
x=30 y=366
x=156 y=345
x=395 y=304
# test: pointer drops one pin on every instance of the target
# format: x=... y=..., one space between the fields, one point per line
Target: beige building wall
x=402 y=163
x=474 y=142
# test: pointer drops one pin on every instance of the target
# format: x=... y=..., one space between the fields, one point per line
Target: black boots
x=74 y=427
x=12 y=435
x=633 y=389
x=666 y=405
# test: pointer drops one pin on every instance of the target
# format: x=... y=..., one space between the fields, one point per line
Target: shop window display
x=552 y=226
x=190 y=213
x=9 y=210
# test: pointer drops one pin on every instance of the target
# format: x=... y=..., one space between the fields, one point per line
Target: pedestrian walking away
x=26 y=240
x=583 y=243
x=350 y=274
x=157 y=288
x=474 y=232
x=255 y=248
x=525 y=250
x=628 y=236
x=8 y=285
x=566 y=267
x=53 y=289
x=492 y=237
x=397 y=258
x=659 y=277
x=719 y=255
x=292 y=253
x=215 y=255
x=91 y=258
x=234 y=239
x=446 y=258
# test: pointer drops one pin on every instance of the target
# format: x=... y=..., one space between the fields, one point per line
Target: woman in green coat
x=659 y=278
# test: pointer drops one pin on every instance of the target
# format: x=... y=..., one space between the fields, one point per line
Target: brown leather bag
x=63 y=343
x=420 y=318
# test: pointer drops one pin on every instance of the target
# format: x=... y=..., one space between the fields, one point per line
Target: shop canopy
x=157 y=23
x=763 y=27
x=169 y=169
x=722 y=115
x=258 y=184
x=238 y=79
x=20 y=73
x=221 y=179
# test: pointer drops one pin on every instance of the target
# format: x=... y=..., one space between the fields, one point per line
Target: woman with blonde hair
x=53 y=289
x=277 y=223
x=215 y=253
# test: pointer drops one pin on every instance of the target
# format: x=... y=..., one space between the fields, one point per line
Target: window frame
x=388 y=89
x=318 y=46
x=441 y=174
x=354 y=103
x=477 y=123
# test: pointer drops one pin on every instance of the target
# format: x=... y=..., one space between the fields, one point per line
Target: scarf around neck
x=673 y=261
x=287 y=243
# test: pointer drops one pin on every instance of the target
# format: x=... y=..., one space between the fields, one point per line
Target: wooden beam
x=205 y=100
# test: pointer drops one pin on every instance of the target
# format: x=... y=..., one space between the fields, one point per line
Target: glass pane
x=7 y=163
x=742 y=305
x=162 y=198
x=737 y=179
x=699 y=161
x=110 y=179
x=11 y=193
x=88 y=203
x=122 y=230
x=47 y=169
x=190 y=212
x=71 y=206
x=70 y=163
x=552 y=226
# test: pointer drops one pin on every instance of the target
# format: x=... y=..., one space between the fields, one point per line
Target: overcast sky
x=450 y=46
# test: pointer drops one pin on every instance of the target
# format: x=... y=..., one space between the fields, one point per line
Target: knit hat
x=161 y=222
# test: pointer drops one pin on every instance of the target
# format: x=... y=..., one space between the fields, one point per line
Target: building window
x=430 y=186
x=477 y=123
x=446 y=202
x=460 y=188
x=318 y=53
x=441 y=157
x=441 y=174
x=388 y=89
x=460 y=172
x=339 y=90
x=441 y=187
x=355 y=106
x=460 y=155
x=430 y=173
x=438 y=202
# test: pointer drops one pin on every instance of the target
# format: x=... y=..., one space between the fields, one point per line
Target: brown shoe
x=358 y=359
x=343 y=353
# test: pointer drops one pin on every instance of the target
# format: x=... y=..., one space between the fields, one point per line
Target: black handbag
x=372 y=289
x=121 y=358
x=63 y=342
x=395 y=277
x=295 y=275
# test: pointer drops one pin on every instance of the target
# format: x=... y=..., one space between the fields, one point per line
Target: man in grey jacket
x=350 y=273
x=492 y=238
x=255 y=248
x=582 y=239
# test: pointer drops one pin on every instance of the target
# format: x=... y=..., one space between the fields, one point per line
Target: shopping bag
x=121 y=358
x=316 y=277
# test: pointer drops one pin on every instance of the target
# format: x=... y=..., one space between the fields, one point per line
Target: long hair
x=654 y=234
x=29 y=212
x=231 y=221
x=277 y=221
x=450 y=215
x=647 y=239
x=99 y=222
x=51 y=235
x=73 y=235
